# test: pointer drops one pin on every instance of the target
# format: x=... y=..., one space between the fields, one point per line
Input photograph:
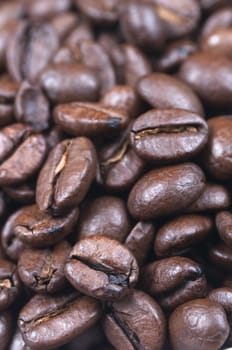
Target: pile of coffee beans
x=115 y=174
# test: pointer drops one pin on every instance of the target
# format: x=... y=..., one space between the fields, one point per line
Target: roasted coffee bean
x=17 y=342
x=7 y=29
x=82 y=31
x=139 y=240
x=64 y=23
x=9 y=11
x=224 y=226
x=213 y=198
x=163 y=91
x=221 y=255
x=66 y=175
x=123 y=96
x=69 y=82
x=10 y=284
x=8 y=90
x=209 y=76
x=218 y=43
x=181 y=234
x=219 y=164
x=104 y=216
x=49 y=322
x=6 y=329
x=198 y=324
x=42 y=270
x=102 y=268
x=21 y=154
x=53 y=137
x=168 y=136
x=180 y=17
x=100 y=12
x=38 y=229
x=90 y=119
x=141 y=25
x=166 y=191
x=128 y=323
x=174 y=54
x=41 y=9
x=32 y=107
x=12 y=245
x=24 y=193
x=219 y=19
x=174 y=281
x=30 y=50
x=213 y=4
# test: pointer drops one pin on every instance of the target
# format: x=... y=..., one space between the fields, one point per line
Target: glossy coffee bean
x=209 y=76
x=64 y=23
x=221 y=255
x=30 y=50
x=163 y=91
x=42 y=9
x=181 y=234
x=218 y=43
x=139 y=240
x=222 y=18
x=174 y=281
x=42 y=270
x=198 y=324
x=69 y=82
x=50 y=322
x=17 y=342
x=169 y=135
x=32 y=107
x=128 y=323
x=38 y=229
x=104 y=216
x=158 y=193
x=23 y=193
x=81 y=32
x=217 y=154
x=102 y=268
x=90 y=119
x=8 y=90
x=100 y=12
x=6 y=329
x=66 y=175
x=10 y=284
x=224 y=226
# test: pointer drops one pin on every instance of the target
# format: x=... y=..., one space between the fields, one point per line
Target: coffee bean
x=91 y=120
x=218 y=43
x=224 y=226
x=8 y=90
x=163 y=91
x=174 y=281
x=82 y=31
x=42 y=270
x=102 y=268
x=221 y=255
x=165 y=191
x=42 y=9
x=6 y=328
x=101 y=12
x=50 y=322
x=38 y=229
x=104 y=216
x=168 y=136
x=30 y=50
x=63 y=22
x=24 y=193
x=17 y=342
x=198 y=324
x=222 y=18
x=128 y=323
x=10 y=284
x=66 y=175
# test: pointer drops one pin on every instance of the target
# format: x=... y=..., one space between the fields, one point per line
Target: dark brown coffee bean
x=123 y=96
x=168 y=136
x=13 y=246
x=90 y=119
x=209 y=76
x=8 y=90
x=49 y=322
x=218 y=43
x=198 y=324
x=17 y=342
x=42 y=9
x=30 y=50
x=221 y=255
x=9 y=11
x=181 y=234
x=222 y=18
x=105 y=216
x=6 y=329
x=38 y=229
x=102 y=268
x=180 y=18
x=128 y=323
x=66 y=175
x=219 y=164
x=24 y=193
x=32 y=107
x=82 y=31
x=101 y=11
x=139 y=240
x=223 y=296
x=70 y=82
x=174 y=281
x=163 y=91
x=213 y=198
x=141 y=25
x=7 y=29
x=10 y=284
x=166 y=191
x=42 y=270
x=224 y=226
x=64 y=23
x=53 y=137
